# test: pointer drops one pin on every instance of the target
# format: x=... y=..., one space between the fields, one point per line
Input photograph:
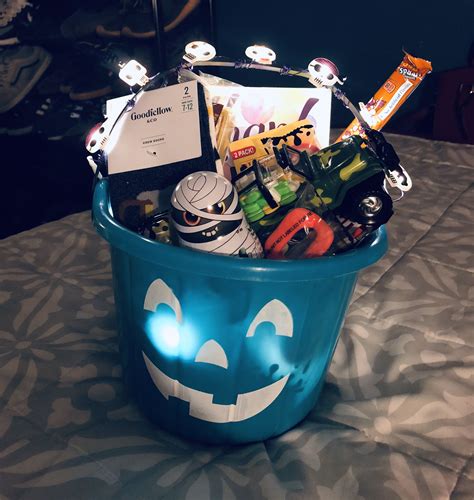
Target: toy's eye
x=317 y=67
x=275 y=312
x=330 y=76
x=191 y=219
x=218 y=208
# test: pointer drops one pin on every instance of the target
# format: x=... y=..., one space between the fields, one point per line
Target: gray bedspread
x=395 y=419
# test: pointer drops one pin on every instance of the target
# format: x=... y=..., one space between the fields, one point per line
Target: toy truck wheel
x=372 y=207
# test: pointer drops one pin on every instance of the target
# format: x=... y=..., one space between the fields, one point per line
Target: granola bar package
x=393 y=93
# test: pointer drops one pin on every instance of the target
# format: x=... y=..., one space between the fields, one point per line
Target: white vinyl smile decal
x=201 y=403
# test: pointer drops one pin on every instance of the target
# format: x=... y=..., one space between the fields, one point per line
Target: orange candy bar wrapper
x=393 y=93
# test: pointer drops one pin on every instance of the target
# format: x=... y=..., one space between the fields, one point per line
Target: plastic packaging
x=300 y=135
x=393 y=93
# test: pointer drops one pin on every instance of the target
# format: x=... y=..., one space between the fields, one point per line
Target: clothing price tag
x=162 y=128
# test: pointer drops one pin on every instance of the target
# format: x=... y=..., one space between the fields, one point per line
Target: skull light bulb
x=133 y=73
x=323 y=73
x=260 y=54
x=199 y=51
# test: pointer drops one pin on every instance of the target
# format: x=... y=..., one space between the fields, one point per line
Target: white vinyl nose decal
x=201 y=406
x=211 y=352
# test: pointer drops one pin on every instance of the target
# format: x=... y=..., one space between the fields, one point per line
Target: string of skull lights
x=321 y=72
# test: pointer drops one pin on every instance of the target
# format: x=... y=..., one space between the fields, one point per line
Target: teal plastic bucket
x=222 y=349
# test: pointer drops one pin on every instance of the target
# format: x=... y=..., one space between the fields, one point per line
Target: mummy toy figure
x=207 y=216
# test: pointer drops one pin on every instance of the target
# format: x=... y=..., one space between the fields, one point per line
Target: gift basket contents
x=200 y=162
x=237 y=231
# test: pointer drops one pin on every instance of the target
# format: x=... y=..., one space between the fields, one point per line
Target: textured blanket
x=394 y=421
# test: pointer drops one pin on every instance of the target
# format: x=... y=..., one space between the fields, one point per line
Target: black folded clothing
x=137 y=194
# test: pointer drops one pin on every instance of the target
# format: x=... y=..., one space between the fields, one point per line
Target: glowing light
x=169 y=337
x=163 y=332
x=133 y=73
x=260 y=54
x=199 y=51
x=98 y=137
x=323 y=72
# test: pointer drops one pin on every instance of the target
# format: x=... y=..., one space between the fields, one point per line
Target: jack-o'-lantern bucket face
x=229 y=364
x=220 y=349
x=169 y=331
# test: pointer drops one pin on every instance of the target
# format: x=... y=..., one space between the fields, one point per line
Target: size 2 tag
x=162 y=128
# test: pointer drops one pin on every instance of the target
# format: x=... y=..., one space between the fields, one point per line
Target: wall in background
x=365 y=39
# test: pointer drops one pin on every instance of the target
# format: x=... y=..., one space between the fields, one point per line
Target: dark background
x=44 y=180
x=365 y=39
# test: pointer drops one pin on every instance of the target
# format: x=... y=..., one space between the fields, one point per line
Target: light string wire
x=245 y=64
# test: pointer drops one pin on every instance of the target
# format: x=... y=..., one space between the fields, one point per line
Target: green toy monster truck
x=347 y=176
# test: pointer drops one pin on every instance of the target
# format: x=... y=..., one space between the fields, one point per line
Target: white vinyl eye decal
x=277 y=313
x=160 y=293
x=211 y=352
